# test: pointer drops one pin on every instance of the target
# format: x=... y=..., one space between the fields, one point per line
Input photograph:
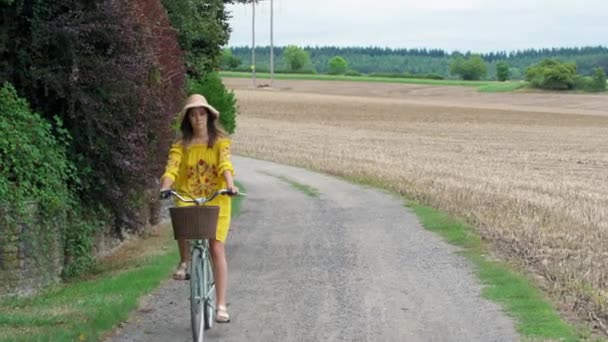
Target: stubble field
x=530 y=171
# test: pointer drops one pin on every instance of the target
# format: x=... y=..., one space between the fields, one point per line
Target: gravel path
x=351 y=264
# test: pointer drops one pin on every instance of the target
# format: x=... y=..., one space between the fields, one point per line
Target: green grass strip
x=482 y=86
x=306 y=189
x=83 y=310
x=502 y=87
x=534 y=317
x=95 y=306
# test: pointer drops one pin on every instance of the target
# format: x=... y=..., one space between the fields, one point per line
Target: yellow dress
x=197 y=171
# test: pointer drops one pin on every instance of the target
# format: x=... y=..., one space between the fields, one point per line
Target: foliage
x=228 y=61
x=502 y=71
x=34 y=162
x=296 y=58
x=337 y=66
x=469 y=69
x=516 y=74
x=203 y=29
x=352 y=73
x=424 y=61
x=599 y=80
x=36 y=170
x=219 y=97
x=112 y=71
x=552 y=74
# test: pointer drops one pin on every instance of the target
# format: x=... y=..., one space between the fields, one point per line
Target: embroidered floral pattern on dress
x=225 y=153
x=202 y=179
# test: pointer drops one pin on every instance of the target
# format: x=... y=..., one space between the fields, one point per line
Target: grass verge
x=86 y=308
x=482 y=86
x=502 y=87
x=306 y=189
x=535 y=317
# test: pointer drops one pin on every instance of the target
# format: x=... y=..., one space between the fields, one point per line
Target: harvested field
x=529 y=170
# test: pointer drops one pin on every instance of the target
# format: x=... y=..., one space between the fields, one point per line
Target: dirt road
x=348 y=264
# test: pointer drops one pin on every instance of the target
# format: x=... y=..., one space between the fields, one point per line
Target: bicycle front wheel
x=197 y=294
x=209 y=288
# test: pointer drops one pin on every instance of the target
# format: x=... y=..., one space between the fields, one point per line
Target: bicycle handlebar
x=199 y=201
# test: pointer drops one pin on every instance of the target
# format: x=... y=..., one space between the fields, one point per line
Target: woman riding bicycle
x=199 y=165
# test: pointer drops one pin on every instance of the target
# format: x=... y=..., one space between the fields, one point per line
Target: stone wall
x=31 y=256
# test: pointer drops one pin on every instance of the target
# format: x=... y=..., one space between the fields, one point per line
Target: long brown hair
x=214 y=129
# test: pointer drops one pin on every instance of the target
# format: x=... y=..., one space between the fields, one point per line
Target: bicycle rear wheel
x=197 y=292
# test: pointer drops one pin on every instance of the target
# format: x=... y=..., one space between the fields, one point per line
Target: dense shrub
x=203 y=29
x=112 y=71
x=228 y=61
x=296 y=58
x=36 y=173
x=337 y=66
x=469 y=69
x=502 y=71
x=552 y=74
x=35 y=167
x=593 y=84
x=598 y=82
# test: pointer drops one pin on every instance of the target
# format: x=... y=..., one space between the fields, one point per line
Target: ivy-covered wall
x=31 y=254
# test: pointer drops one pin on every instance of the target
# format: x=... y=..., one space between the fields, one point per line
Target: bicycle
x=198 y=223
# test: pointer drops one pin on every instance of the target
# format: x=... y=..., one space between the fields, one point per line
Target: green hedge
x=35 y=166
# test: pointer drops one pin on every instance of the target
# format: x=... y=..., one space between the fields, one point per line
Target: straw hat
x=197 y=100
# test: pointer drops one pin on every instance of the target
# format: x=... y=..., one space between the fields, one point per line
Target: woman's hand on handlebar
x=232 y=190
x=164 y=194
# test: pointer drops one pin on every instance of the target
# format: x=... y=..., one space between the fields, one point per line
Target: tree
x=228 y=60
x=296 y=58
x=337 y=66
x=515 y=74
x=113 y=72
x=552 y=74
x=203 y=29
x=599 y=80
x=502 y=71
x=472 y=68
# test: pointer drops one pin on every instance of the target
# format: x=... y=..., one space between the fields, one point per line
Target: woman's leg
x=220 y=273
x=184 y=256
x=184 y=251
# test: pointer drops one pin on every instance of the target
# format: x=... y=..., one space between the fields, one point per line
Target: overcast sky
x=464 y=25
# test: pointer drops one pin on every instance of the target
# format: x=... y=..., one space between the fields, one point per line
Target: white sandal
x=221 y=315
x=180 y=273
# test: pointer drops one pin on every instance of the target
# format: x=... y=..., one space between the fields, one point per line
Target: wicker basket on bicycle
x=194 y=222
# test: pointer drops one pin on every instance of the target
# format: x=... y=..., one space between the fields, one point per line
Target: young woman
x=199 y=165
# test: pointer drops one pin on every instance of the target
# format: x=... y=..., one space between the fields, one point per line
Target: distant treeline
x=424 y=61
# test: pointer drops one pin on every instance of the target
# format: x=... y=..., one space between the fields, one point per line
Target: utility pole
x=253 y=44
x=271 y=43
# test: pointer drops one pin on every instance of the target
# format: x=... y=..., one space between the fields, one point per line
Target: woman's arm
x=172 y=169
x=225 y=165
x=166 y=183
x=230 y=182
